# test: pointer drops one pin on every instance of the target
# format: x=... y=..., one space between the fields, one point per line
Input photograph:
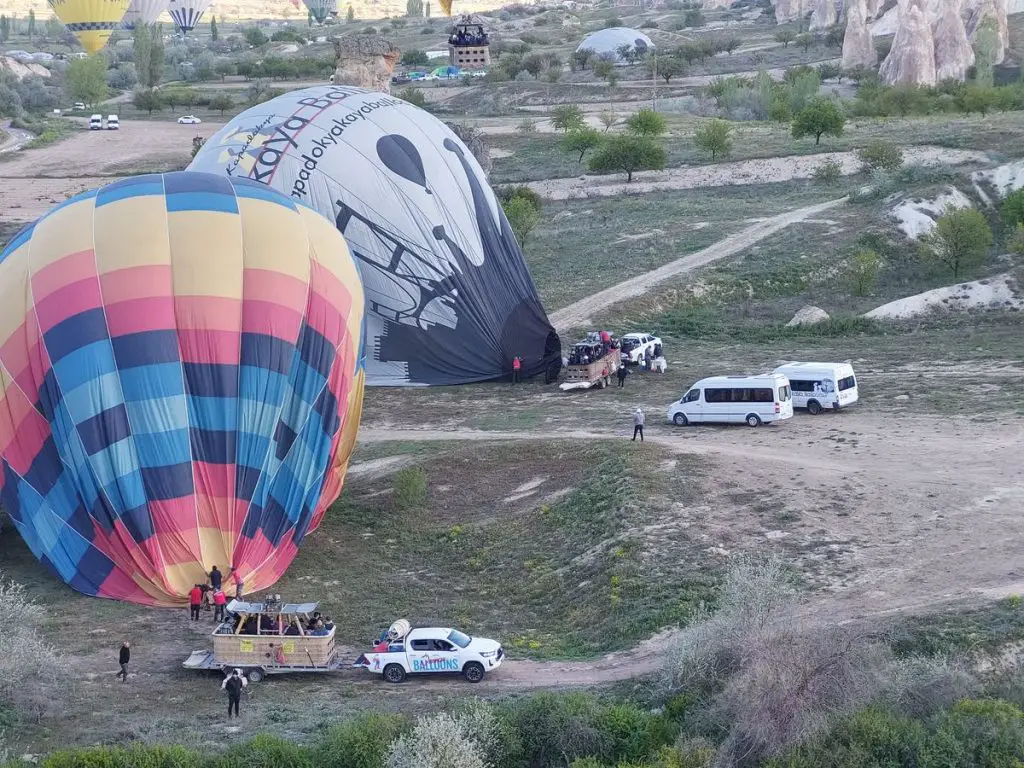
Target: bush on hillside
x=410 y=488
x=881 y=154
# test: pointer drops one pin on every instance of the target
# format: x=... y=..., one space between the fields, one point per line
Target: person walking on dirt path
x=219 y=601
x=622 y=374
x=233 y=684
x=517 y=364
x=236 y=577
x=123 y=657
x=195 y=601
x=638 y=425
x=216 y=578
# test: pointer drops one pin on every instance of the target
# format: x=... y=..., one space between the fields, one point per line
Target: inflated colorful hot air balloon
x=187 y=13
x=143 y=12
x=449 y=296
x=91 y=21
x=446 y=6
x=180 y=382
x=321 y=9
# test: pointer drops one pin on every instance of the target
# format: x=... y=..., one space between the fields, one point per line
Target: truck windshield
x=459 y=638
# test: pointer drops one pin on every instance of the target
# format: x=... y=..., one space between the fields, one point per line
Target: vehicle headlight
x=488 y=654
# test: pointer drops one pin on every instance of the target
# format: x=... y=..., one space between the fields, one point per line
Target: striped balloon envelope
x=187 y=13
x=143 y=12
x=91 y=21
x=181 y=382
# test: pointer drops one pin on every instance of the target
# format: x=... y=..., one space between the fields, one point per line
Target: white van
x=113 y=123
x=735 y=400
x=96 y=123
x=817 y=386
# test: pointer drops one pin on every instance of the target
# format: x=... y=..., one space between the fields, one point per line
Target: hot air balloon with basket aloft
x=143 y=12
x=91 y=21
x=187 y=13
x=449 y=296
x=180 y=383
x=321 y=9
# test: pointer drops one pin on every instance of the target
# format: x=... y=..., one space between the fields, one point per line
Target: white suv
x=635 y=345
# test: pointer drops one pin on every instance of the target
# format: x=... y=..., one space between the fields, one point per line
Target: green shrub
x=881 y=154
x=263 y=752
x=1013 y=209
x=828 y=172
x=362 y=742
x=410 y=488
x=118 y=757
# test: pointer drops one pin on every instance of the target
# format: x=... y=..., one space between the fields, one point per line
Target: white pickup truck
x=431 y=650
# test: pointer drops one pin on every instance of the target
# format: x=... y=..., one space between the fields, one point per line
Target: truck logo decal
x=435 y=664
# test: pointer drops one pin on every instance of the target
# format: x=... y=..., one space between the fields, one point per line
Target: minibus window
x=848 y=383
x=693 y=394
x=784 y=393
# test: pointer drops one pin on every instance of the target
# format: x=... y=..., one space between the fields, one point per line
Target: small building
x=469 y=46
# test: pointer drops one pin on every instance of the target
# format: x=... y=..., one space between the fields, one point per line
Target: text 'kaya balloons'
x=181 y=383
x=91 y=21
x=449 y=298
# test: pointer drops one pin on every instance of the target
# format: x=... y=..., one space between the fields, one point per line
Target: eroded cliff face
x=365 y=61
x=975 y=12
x=823 y=14
x=911 y=61
x=790 y=10
x=953 y=52
x=858 y=45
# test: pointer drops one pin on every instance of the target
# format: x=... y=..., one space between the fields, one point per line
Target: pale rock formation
x=873 y=7
x=911 y=61
x=809 y=315
x=823 y=15
x=953 y=52
x=365 y=61
x=22 y=70
x=713 y=5
x=790 y=10
x=858 y=45
x=976 y=11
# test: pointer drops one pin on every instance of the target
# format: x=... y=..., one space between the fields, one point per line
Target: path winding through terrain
x=582 y=312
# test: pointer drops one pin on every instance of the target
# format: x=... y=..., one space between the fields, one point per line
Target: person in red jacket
x=195 y=600
x=517 y=364
x=219 y=601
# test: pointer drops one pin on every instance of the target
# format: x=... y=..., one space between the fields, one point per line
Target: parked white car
x=79 y=107
x=753 y=400
x=431 y=650
x=635 y=346
x=189 y=120
x=817 y=386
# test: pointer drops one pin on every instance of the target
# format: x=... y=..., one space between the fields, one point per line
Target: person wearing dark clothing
x=216 y=578
x=638 y=425
x=233 y=685
x=123 y=658
x=517 y=364
x=195 y=600
x=622 y=374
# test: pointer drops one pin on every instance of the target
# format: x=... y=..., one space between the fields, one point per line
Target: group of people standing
x=212 y=593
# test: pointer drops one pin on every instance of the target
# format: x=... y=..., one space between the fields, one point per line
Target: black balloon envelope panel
x=448 y=294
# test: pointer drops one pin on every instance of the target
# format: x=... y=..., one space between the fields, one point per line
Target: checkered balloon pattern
x=181 y=381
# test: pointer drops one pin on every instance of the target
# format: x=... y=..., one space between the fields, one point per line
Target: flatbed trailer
x=594 y=374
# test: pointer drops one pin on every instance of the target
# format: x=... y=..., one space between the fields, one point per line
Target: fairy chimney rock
x=365 y=61
x=858 y=45
x=911 y=61
x=977 y=11
x=953 y=52
x=823 y=15
x=790 y=10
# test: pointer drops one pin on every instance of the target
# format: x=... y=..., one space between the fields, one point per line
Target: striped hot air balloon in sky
x=180 y=382
x=143 y=12
x=187 y=13
x=91 y=21
x=321 y=9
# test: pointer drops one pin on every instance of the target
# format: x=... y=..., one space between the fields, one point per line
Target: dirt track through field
x=582 y=312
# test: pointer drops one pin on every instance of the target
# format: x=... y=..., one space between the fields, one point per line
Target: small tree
x=647 y=123
x=523 y=217
x=214 y=33
x=350 y=14
x=1013 y=209
x=605 y=70
x=439 y=741
x=961 y=239
x=830 y=71
x=534 y=64
x=254 y=36
x=828 y=172
x=666 y=67
x=714 y=136
x=414 y=8
x=221 y=102
x=730 y=44
x=31 y=24
x=5 y=29
x=694 y=18
x=28 y=664
x=581 y=58
x=567 y=117
x=582 y=140
x=147 y=99
x=608 y=119
x=863 y=271
x=415 y=58
x=86 y=79
x=414 y=96
x=805 y=41
x=785 y=36
x=882 y=155
x=819 y=118
x=627 y=153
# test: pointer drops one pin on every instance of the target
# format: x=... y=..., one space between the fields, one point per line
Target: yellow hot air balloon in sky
x=446 y=6
x=92 y=21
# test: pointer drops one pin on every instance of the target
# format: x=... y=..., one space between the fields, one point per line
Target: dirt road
x=581 y=313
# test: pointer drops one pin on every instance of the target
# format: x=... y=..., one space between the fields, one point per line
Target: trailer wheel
x=473 y=672
x=393 y=673
x=255 y=675
x=813 y=407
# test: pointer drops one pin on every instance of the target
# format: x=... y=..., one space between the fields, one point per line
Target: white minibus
x=735 y=399
x=817 y=386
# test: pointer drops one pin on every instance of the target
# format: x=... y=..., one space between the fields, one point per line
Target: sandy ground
x=35 y=180
x=998 y=292
x=764 y=171
x=581 y=312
